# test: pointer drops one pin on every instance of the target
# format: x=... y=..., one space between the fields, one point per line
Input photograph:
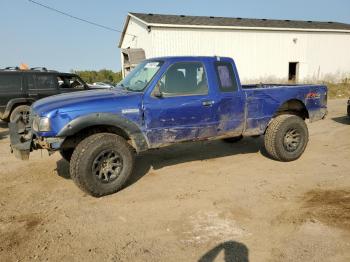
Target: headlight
x=41 y=124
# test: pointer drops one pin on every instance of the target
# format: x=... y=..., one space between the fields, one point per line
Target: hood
x=112 y=100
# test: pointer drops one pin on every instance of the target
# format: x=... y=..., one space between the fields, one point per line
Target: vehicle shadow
x=345 y=120
x=233 y=252
x=181 y=153
x=62 y=168
x=188 y=152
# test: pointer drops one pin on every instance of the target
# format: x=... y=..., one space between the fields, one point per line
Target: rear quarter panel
x=263 y=103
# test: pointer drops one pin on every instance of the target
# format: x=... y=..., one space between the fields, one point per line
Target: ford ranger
x=164 y=101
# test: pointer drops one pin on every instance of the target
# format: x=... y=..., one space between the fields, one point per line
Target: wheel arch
x=293 y=106
x=13 y=103
x=81 y=127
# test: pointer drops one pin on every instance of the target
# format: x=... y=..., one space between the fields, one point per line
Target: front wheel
x=101 y=164
x=286 y=138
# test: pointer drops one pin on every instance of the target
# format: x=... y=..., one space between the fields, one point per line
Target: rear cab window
x=226 y=77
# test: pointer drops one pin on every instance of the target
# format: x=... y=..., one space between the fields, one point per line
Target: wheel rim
x=107 y=166
x=292 y=140
x=25 y=116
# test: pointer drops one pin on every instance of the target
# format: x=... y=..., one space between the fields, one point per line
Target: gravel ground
x=207 y=201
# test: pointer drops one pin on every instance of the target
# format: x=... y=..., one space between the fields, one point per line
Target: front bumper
x=23 y=141
x=21 y=138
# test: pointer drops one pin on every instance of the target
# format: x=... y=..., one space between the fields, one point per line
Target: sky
x=39 y=37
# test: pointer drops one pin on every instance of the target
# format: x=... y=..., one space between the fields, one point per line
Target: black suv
x=20 y=88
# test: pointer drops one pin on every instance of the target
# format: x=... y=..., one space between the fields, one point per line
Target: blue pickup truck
x=161 y=102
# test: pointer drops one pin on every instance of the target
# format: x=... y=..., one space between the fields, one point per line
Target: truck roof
x=184 y=58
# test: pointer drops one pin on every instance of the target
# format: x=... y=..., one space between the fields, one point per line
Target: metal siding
x=136 y=36
x=259 y=55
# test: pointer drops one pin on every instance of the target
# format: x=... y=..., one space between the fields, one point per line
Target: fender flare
x=138 y=139
x=295 y=100
x=13 y=102
x=294 y=104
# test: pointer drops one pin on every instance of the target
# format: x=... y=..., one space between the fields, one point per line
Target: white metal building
x=264 y=50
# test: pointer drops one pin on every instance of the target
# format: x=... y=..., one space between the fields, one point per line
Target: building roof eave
x=247 y=28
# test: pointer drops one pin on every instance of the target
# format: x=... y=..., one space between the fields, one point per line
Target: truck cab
x=186 y=104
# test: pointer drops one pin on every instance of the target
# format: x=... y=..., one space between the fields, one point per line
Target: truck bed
x=264 y=100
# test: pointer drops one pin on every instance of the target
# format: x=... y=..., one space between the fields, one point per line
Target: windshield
x=138 y=79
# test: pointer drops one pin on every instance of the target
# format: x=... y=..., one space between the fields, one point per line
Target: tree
x=103 y=75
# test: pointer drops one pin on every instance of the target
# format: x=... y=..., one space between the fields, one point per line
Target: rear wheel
x=22 y=110
x=286 y=138
x=101 y=164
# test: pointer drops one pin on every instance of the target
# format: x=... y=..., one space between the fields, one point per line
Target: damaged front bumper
x=23 y=141
x=21 y=138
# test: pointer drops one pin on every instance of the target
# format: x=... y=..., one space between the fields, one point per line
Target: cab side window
x=71 y=82
x=184 y=79
x=45 y=82
x=226 y=77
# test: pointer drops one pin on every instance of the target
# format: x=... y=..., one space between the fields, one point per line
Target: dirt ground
x=207 y=201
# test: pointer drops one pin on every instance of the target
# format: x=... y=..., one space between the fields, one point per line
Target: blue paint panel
x=263 y=102
x=62 y=109
x=174 y=119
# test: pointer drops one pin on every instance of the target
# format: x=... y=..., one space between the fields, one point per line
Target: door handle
x=208 y=103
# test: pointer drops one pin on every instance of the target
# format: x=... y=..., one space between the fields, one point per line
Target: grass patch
x=341 y=90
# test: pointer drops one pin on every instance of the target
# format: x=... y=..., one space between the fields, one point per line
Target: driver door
x=180 y=107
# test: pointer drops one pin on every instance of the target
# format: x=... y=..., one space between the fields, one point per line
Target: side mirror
x=157 y=93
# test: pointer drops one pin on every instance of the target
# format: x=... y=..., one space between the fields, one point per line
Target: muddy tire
x=286 y=137
x=67 y=154
x=233 y=139
x=23 y=110
x=101 y=164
